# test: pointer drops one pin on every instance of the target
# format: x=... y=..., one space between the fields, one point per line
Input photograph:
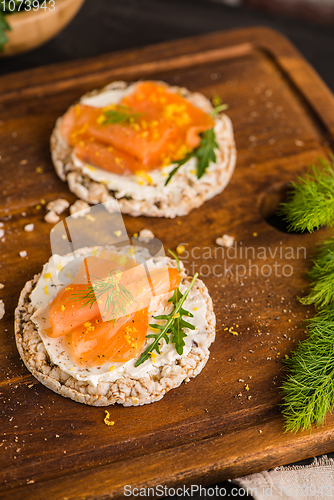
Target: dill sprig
x=204 y=153
x=310 y=203
x=174 y=325
x=117 y=297
x=309 y=388
x=322 y=276
x=120 y=114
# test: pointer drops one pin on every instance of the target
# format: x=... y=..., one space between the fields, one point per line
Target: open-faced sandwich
x=159 y=150
x=123 y=327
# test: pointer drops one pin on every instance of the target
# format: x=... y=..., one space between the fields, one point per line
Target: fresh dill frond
x=310 y=204
x=120 y=114
x=174 y=325
x=309 y=388
x=116 y=297
x=322 y=276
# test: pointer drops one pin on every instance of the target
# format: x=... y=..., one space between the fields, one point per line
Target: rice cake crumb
x=145 y=235
x=51 y=217
x=79 y=209
x=29 y=227
x=58 y=206
x=225 y=241
x=2 y=309
x=23 y=254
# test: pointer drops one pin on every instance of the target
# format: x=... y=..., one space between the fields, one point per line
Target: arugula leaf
x=205 y=152
x=4 y=26
x=174 y=325
x=179 y=323
x=179 y=164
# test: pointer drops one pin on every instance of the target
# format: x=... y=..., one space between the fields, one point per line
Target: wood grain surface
x=211 y=428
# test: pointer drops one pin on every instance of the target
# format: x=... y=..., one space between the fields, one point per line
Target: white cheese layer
x=145 y=187
x=48 y=287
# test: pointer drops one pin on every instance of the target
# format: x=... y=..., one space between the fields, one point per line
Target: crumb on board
x=225 y=241
x=29 y=227
x=146 y=233
x=2 y=286
x=59 y=205
x=23 y=253
x=51 y=217
x=79 y=209
x=2 y=309
x=2 y=233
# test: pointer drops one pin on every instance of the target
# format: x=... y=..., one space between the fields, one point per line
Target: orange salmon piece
x=66 y=311
x=167 y=128
x=106 y=157
x=69 y=311
x=67 y=314
x=97 y=342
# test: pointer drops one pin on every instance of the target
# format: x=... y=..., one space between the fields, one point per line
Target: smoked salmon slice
x=164 y=128
x=97 y=342
x=92 y=339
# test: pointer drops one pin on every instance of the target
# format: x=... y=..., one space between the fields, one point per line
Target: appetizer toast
x=159 y=150
x=68 y=342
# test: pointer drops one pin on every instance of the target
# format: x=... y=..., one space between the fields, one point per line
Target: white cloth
x=309 y=482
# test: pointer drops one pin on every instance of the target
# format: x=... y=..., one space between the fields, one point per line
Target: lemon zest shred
x=106 y=419
x=180 y=249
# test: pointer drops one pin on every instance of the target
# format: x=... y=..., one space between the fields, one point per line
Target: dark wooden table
x=110 y=26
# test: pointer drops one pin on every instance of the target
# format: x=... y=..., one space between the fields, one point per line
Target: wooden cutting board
x=211 y=428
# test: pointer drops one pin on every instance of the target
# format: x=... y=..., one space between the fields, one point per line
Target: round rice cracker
x=125 y=390
x=170 y=203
